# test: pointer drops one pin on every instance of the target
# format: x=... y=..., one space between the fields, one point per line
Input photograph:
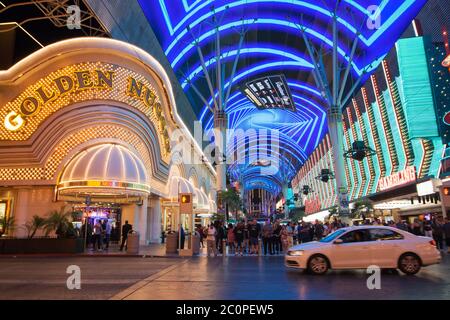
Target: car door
x=353 y=252
x=386 y=247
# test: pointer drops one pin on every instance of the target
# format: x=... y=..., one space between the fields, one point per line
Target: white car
x=361 y=247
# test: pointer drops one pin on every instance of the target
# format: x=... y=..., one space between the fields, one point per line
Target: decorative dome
x=105 y=166
x=178 y=185
x=201 y=199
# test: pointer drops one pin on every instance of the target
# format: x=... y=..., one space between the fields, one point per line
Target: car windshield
x=332 y=236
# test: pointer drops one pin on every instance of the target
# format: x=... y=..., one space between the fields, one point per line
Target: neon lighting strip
x=284 y=23
x=368 y=42
x=210 y=61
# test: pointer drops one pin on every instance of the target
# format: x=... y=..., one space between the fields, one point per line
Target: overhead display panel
x=271 y=92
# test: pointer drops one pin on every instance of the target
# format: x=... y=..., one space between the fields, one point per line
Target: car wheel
x=409 y=263
x=318 y=264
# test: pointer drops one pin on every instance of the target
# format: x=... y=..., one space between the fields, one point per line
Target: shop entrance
x=107 y=214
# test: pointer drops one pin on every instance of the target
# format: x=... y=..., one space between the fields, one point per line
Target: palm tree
x=232 y=198
x=60 y=222
x=361 y=206
x=7 y=224
x=34 y=225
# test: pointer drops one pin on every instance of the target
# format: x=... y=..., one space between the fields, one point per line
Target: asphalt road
x=207 y=278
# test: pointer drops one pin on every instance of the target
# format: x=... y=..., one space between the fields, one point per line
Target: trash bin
x=196 y=244
x=133 y=243
x=172 y=243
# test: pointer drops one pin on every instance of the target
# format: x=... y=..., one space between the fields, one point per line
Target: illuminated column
x=220 y=128
x=141 y=221
x=335 y=128
x=154 y=223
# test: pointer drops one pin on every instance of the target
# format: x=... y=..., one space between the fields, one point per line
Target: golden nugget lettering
x=139 y=90
x=63 y=85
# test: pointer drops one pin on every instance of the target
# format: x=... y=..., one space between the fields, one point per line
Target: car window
x=384 y=234
x=332 y=236
x=355 y=236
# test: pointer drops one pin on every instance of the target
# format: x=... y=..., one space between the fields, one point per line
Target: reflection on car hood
x=309 y=245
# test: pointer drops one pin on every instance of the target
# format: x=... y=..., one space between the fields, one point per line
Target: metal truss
x=56 y=12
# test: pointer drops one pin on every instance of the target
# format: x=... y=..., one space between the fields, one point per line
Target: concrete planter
x=40 y=245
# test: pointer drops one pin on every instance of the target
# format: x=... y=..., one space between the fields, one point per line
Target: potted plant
x=34 y=225
x=7 y=225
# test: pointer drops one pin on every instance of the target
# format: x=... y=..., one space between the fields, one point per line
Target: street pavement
x=202 y=278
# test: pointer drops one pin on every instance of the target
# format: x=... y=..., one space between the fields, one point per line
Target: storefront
x=86 y=127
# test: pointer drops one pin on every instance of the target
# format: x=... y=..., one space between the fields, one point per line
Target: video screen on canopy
x=270 y=92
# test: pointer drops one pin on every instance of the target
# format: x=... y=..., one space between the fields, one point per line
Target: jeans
x=211 y=247
x=267 y=242
x=124 y=240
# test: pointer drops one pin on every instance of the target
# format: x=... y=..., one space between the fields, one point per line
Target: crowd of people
x=243 y=237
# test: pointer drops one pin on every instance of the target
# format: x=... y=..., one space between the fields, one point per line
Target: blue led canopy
x=274 y=45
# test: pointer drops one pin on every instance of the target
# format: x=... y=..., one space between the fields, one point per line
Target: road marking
x=129 y=291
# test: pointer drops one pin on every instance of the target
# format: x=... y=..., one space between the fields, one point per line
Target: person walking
x=267 y=235
x=126 y=228
x=438 y=233
x=98 y=235
x=427 y=229
x=246 y=244
x=290 y=235
x=284 y=238
x=254 y=230
x=239 y=237
x=276 y=238
x=318 y=230
x=211 y=241
x=446 y=228
x=107 y=234
x=230 y=239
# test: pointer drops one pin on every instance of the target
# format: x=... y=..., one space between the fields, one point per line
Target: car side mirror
x=338 y=241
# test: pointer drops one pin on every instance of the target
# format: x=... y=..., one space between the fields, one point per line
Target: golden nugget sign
x=77 y=81
x=398 y=178
x=72 y=82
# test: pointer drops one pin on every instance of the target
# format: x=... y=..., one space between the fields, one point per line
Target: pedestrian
x=415 y=228
x=98 y=235
x=107 y=234
x=284 y=238
x=438 y=233
x=239 y=237
x=427 y=230
x=126 y=229
x=318 y=230
x=246 y=245
x=290 y=234
x=446 y=228
x=276 y=238
x=211 y=241
x=254 y=230
x=230 y=238
x=267 y=235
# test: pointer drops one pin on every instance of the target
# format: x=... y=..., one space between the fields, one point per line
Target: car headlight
x=295 y=252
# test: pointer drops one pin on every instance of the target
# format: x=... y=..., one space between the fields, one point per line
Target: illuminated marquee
x=312 y=205
x=398 y=178
x=76 y=83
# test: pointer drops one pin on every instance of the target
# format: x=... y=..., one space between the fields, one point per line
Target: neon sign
x=398 y=178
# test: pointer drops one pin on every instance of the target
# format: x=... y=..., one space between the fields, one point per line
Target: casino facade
x=89 y=125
